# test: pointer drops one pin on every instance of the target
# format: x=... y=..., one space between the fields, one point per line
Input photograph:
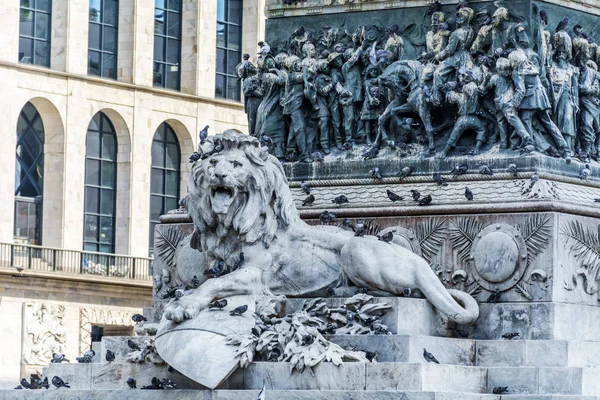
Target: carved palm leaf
x=167 y=240
x=583 y=243
x=535 y=232
x=431 y=234
x=462 y=234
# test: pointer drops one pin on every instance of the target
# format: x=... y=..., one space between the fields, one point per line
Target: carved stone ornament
x=404 y=237
x=89 y=316
x=499 y=254
x=44 y=332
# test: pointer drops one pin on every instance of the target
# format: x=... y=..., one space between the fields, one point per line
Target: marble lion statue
x=239 y=201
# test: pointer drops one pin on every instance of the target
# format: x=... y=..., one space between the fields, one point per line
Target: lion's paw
x=182 y=309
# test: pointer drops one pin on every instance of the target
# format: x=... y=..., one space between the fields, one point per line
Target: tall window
x=229 y=48
x=29 y=176
x=100 y=185
x=164 y=187
x=102 y=38
x=167 y=43
x=34 y=32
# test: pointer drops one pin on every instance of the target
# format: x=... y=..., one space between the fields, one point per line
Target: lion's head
x=240 y=187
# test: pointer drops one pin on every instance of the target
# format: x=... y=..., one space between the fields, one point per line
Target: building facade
x=101 y=105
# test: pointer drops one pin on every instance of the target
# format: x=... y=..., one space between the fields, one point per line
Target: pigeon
x=239 y=310
x=308 y=340
x=511 y=335
x=347 y=225
x=405 y=172
x=585 y=172
x=512 y=169
x=217 y=271
x=203 y=134
x=425 y=201
x=393 y=196
x=386 y=237
x=57 y=358
x=350 y=318
x=266 y=141
x=371 y=153
x=195 y=282
x=406 y=292
x=468 y=193
x=261 y=395
x=87 y=357
x=110 y=356
x=415 y=195
x=154 y=385
x=485 y=170
x=308 y=201
x=379 y=329
x=131 y=383
x=440 y=180
x=494 y=297
x=240 y=261
x=459 y=170
x=360 y=229
x=326 y=217
x=544 y=16
x=429 y=357
x=218 y=304
x=36 y=382
x=578 y=30
x=347 y=146
x=25 y=384
x=133 y=345
x=341 y=199
x=305 y=187
x=195 y=157
x=264 y=49
x=533 y=180
x=562 y=25
x=500 y=389
x=376 y=174
x=433 y=7
x=137 y=318
x=370 y=355
x=168 y=384
x=274 y=354
x=58 y=382
x=18 y=387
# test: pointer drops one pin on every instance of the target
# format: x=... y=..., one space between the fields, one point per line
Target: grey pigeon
x=439 y=180
x=305 y=187
x=500 y=389
x=485 y=170
x=562 y=25
x=376 y=174
x=326 y=217
x=137 y=318
x=203 y=134
x=359 y=229
x=468 y=193
x=511 y=335
x=512 y=169
x=195 y=282
x=386 y=237
x=429 y=357
x=25 y=383
x=131 y=383
x=87 y=357
x=110 y=356
x=239 y=310
x=195 y=157
x=216 y=271
x=57 y=358
x=416 y=195
x=393 y=196
x=18 y=387
x=406 y=292
x=218 y=304
x=425 y=201
x=133 y=345
x=341 y=199
x=58 y=382
x=154 y=385
x=459 y=170
x=168 y=384
x=309 y=200
x=347 y=225
x=533 y=180
x=585 y=172
x=406 y=171
x=494 y=297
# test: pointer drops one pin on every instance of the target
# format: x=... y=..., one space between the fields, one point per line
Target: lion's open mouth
x=222 y=197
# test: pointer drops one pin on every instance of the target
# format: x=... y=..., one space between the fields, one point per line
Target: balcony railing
x=48 y=259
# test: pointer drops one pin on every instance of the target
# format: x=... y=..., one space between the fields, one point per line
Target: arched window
x=100 y=185
x=29 y=175
x=164 y=187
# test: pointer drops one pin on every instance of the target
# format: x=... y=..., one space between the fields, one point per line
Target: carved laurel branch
x=431 y=234
x=168 y=239
x=584 y=245
x=536 y=233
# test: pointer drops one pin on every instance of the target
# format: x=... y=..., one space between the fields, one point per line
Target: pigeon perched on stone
x=25 y=383
x=585 y=172
x=371 y=153
x=131 y=383
x=429 y=357
x=386 y=237
x=406 y=292
x=416 y=195
x=468 y=193
x=274 y=354
x=393 y=196
x=203 y=134
x=350 y=318
x=425 y=201
x=370 y=355
x=512 y=169
x=167 y=384
x=485 y=170
x=58 y=382
x=534 y=179
x=57 y=358
x=562 y=25
x=347 y=146
x=305 y=187
x=347 y=225
x=494 y=297
x=218 y=304
x=137 y=318
x=500 y=389
x=359 y=229
x=264 y=49
x=154 y=385
x=309 y=200
x=266 y=141
x=18 y=387
x=239 y=310
x=406 y=171
x=341 y=199
x=195 y=282
x=195 y=156
x=376 y=174
x=511 y=335
x=240 y=261
x=133 y=345
x=459 y=170
x=326 y=217
x=433 y=7
x=217 y=270
x=87 y=357
x=439 y=180
x=110 y=356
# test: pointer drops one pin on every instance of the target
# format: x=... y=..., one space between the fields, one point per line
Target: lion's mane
x=265 y=205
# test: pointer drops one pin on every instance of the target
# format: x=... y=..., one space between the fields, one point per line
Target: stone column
x=9 y=40
x=77 y=37
x=126 y=43
x=58 y=38
x=143 y=42
x=207 y=49
x=189 y=47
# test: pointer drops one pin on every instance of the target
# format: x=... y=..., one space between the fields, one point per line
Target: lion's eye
x=213 y=161
x=236 y=163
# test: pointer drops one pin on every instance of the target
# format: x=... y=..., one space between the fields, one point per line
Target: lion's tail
x=459 y=306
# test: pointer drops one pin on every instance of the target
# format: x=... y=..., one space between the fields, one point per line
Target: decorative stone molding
x=100 y=316
x=44 y=332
